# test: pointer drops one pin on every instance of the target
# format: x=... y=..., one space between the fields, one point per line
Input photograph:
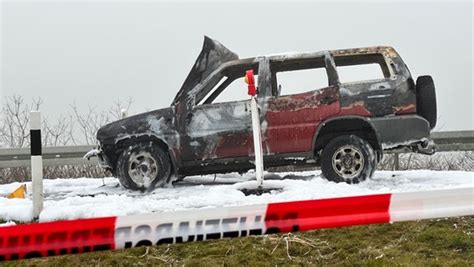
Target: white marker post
x=36 y=163
x=257 y=139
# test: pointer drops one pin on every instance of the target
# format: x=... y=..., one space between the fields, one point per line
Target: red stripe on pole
x=327 y=213
x=56 y=238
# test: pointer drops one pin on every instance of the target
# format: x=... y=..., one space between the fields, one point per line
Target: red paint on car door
x=292 y=120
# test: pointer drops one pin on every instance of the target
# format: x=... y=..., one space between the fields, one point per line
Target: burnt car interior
x=226 y=77
x=314 y=69
x=216 y=89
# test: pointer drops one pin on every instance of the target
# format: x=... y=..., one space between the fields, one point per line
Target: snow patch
x=379 y=86
x=194 y=143
x=346 y=92
x=90 y=197
x=9 y=223
x=377 y=96
x=389 y=145
x=157 y=126
x=226 y=117
x=92 y=153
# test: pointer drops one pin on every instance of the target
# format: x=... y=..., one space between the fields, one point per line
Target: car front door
x=218 y=130
x=220 y=126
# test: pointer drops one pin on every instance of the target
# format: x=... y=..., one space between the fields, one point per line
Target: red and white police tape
x=85 y=235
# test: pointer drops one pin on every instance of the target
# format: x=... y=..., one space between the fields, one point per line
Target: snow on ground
x=93 y=197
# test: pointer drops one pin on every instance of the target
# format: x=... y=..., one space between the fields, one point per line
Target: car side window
x=235 y=91
x=353 y=69
x=298 y=76
x=230 y=88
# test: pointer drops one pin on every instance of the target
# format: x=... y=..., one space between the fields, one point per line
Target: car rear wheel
x=348 y=158
x=143 y=166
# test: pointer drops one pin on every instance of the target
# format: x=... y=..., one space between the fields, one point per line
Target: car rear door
x=291 y=120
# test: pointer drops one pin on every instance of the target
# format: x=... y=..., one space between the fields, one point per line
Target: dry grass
x=443 y=242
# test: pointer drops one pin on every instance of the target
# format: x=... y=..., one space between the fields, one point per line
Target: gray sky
x=95 y=53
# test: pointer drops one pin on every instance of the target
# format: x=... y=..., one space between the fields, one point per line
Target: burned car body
x=197 y=135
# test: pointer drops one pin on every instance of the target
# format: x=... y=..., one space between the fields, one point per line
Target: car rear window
x=354 y=68
x=354 y=73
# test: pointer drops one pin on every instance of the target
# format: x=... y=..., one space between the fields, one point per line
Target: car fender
x=341 y=119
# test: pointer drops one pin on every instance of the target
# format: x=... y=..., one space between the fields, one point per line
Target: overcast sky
x=94 y=53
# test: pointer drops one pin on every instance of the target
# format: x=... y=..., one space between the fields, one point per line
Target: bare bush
x=23 y=174
x=76 y=171
x=441 y=161
x=90 y=121
x=59 y=133
x=14 y=123
x=75 y=128
x=10 y=175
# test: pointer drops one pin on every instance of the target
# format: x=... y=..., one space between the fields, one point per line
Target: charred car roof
x=215 y=56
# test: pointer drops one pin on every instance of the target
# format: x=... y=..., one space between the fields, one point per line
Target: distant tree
x=76 y=128
x=90 y=121
x=14 y=123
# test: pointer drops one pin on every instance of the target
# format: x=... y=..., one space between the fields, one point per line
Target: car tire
x=143 y=166
x=426 y=99
x=349 y=159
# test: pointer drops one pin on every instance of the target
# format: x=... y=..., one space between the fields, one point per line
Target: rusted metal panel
x=291 y=121
x=387 y=51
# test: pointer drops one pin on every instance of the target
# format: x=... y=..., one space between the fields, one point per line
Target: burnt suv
x=343 y=127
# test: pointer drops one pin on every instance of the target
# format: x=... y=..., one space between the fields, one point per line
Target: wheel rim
x=142 y=168
x=348 y=162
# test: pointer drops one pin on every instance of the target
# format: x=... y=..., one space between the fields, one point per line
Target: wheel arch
x=121 y=145
x=334 y=127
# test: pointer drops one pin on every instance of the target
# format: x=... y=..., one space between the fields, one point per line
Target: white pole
x=36 y=163
x=257 y=141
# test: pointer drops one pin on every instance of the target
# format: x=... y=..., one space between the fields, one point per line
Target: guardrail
x=72 y=155
x=454 y=141
x=52 y=156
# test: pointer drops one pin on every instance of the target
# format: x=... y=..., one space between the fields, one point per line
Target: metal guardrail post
x=396 y=162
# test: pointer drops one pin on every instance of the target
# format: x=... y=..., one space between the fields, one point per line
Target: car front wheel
x=348 y=158
x=143 y=166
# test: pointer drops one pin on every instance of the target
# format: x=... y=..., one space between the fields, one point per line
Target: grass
x=443 y=242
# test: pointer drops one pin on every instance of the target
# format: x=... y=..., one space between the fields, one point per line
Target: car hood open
x=213 y=54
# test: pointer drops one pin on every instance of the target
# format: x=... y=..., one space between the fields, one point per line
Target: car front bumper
x=101 y=157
